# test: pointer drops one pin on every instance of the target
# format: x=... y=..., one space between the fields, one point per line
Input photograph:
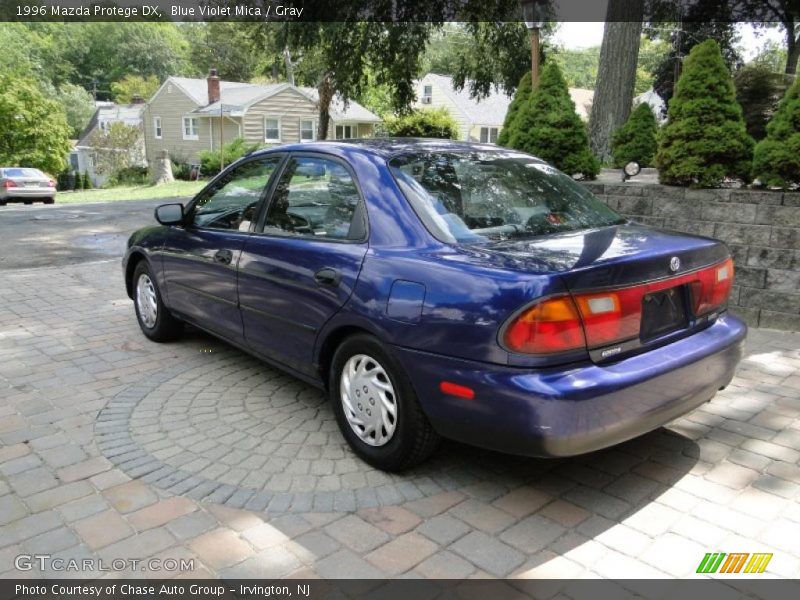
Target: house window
x=346 y=132
x=307 y=131
x=427 y=94
x=489 y=135
x=190 y=128
x=272 y=129
x=157 y=127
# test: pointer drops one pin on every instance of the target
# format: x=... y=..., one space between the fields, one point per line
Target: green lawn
x=175 y=189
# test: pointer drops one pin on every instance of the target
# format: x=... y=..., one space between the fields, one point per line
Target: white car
x=22 y=184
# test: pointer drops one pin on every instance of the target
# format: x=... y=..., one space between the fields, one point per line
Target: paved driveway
x=113 y=447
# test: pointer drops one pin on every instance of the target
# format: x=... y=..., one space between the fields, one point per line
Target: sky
x=584 y=35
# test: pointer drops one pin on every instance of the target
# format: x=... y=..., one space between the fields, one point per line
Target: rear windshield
x=19 y=172
x=475 y=196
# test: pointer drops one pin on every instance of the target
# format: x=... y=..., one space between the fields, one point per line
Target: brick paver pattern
x=115 y=447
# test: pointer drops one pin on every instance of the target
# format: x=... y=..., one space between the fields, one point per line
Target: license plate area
x=663 y=312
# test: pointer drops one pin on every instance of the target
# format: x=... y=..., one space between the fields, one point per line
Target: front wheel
x=376 y=407
x=155 y=320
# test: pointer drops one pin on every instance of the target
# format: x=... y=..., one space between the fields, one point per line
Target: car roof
x=384 y=147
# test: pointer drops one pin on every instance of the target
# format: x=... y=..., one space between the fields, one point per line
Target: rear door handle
x=223 y=257
x=327 y=276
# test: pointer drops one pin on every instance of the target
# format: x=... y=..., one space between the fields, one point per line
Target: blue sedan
x=444 y=289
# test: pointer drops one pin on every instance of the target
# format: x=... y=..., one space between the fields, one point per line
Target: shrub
x=704 y=141
x=431 y=123
x=210 y=159
x=134 y=175
x=636 y=139
x=777 y=157
x=547 y=126
x=759 y=91
x=87 y=181
x=521 y=97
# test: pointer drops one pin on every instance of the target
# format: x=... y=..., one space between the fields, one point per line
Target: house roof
x=486 y=111
x=583 y=100
x=237 y=97
x=108 y=112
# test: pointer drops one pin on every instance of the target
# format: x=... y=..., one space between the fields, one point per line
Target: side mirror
x=169 y=214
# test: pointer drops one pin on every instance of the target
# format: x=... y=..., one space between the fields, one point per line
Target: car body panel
x=439 y=307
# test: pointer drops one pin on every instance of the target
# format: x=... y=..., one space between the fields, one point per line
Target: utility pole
x=533 y=12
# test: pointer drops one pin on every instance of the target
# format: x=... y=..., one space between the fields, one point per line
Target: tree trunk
x=616 y=74
x=326 y=93
x=287 y=60
x=792 y=50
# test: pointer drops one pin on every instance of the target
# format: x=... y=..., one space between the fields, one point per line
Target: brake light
x=598 y=319
x=51 y=183
x=8 y=183
x=552 y=325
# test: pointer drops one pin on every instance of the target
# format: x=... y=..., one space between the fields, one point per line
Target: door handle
x=223 y=257
x=327 y=276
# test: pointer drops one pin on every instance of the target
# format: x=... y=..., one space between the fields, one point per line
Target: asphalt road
x=51 y=235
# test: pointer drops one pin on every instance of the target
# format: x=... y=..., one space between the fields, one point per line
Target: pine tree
x=777 y=157
x=705 y=139
x=636 y=139
x=87 y=181
x=521 y=97
x=548 y=127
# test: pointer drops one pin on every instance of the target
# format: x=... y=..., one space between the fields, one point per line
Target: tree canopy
x=636 y=139
x=777 y=158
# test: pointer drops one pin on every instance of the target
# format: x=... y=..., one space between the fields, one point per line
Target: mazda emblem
x=674 y=264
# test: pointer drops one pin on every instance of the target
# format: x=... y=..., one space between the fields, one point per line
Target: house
x=82 y=158
x=479 y=120
x=186 y=116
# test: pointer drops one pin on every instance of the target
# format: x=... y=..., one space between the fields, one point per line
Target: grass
x=176 y=189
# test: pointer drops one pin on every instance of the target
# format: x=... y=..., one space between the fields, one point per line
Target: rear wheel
x=49 y=200
x=28 y=201
x=155 y=320
x=376 y=407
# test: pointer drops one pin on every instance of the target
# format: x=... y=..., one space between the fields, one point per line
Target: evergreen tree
x=636 y=139
x=87 y=181
x=705 y=139
x=777 y=157
x=548 y=127
x=521 y=96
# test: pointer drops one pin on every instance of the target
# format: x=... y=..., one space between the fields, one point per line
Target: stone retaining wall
x=762 y=230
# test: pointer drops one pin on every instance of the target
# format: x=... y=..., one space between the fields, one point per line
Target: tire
x=27 y=201
x=400 y=442
x=49 y=200
x=155 y=320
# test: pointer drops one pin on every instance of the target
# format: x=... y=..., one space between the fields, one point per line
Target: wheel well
x=329 y=346
x=133 y=261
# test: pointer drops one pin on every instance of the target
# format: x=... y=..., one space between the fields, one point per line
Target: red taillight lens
x=8 y=183
x=602 y=318
x=712 y=288
x=552 y=325
x=51 y=183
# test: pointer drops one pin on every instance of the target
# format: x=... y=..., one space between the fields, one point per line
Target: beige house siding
x=289 y=106
x=440 y=99
x=230 y=131
x=172 y=104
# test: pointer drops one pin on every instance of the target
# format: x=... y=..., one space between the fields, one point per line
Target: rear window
x=20 y=172
x=475 y=196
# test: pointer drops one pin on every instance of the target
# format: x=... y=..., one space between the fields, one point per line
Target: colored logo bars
x=720 y=562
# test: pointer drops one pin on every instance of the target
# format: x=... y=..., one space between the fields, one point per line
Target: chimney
x=213 y=86
x=137 y=99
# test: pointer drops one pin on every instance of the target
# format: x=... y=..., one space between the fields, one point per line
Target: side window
x=316 y=197
x=232 y=203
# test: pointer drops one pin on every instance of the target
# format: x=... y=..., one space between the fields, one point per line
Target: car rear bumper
x=27 y=193
x=580 y=408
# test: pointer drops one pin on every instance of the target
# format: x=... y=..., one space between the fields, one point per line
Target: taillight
x=51 y=183
x=552 y=325
x=8 y=183
x=598 y=319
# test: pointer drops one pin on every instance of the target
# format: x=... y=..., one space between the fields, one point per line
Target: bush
x=87 y=181
x=521 y=97
x=430 y=123
x=704 y=141
x=181 y=170
x=130 y=176
x=636 y=139
x=547 y=126
x=210 y=159
x=759 y=91
x=777 y=158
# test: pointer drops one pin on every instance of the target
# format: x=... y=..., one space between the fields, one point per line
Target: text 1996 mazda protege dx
x=438 y=288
